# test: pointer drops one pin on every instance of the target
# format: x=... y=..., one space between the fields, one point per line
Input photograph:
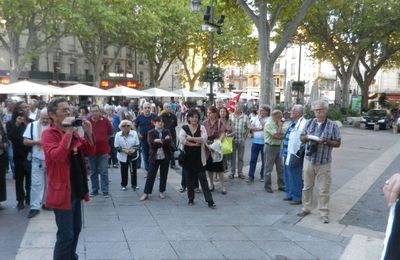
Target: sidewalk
x=247 y=224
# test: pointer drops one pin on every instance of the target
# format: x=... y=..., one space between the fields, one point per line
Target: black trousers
x=151 y=176
x=131 y=167
x=184 y=180
x=3 y=171
x=22 y=174
x=192 y=177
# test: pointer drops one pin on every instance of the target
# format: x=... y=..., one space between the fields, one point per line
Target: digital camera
x=77 y=122
x=311 y=147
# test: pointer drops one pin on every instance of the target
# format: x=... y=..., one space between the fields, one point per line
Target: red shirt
x=58 y=162
x=102 y=130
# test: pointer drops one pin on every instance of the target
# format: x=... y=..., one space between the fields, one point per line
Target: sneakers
x=92 y=194
x=106 y=195
x=250 y=180
x=162 y=195
x=33 y=212
x=115 y=165
x=241 y=176
x=303 y=213
x=123 y=188
x=325 y=219
x=212 y=205
x=262 y=179
x=134 y=188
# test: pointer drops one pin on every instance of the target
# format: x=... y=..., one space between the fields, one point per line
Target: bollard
x=395 y=129
x=362 y=125
x=376 y=127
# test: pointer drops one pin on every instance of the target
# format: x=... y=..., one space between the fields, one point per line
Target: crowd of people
x=53 y=150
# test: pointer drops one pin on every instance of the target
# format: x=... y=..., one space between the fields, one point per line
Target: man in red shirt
x=102 y=130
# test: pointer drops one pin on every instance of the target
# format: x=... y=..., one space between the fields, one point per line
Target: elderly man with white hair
x=34 y=112
x=32 y=137
x=321 y=136
x=143 y=124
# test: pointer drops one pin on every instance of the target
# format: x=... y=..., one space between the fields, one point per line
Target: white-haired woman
x=127 y=144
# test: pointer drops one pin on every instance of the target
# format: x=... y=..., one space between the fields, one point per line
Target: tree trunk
x=364 y=99
x=344 y=82
x=267 y=76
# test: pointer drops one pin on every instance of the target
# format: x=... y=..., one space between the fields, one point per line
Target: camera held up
x=311 y=147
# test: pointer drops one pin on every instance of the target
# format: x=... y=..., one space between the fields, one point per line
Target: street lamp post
x=210 y=26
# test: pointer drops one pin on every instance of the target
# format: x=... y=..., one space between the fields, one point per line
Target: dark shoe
x=106 y=195
x=212 y=205
x=231 y=176
x=295 y=203
x=303 y=213
x=190 y=203
x=197 y=190
x=92 y=194
x=261 y=179
x=325 y=219
x=20 y=205
x=250 y=180
x=175 y=167
x=224 y=192
x=2 y=207
x=282 y=189
x=182 y=190
x=287 y=199
x=33 y=213
x=212 y=189
x=269 y=190
x=241 y=176
x=45 y=208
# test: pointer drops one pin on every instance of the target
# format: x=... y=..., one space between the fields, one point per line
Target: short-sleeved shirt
x=270 y=129
x=330 y=131
x=241 y=125
x=257 y=122
x=34 y=132
x=145 y=124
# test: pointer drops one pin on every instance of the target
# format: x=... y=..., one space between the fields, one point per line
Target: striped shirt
x=330 y=131
x=241 y=126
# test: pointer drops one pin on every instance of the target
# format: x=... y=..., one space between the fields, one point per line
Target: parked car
x=380 y=117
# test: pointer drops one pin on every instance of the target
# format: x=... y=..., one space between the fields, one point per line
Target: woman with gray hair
x=126 y=143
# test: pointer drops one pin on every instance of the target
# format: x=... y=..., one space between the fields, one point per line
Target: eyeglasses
x=125 y=126
x=146 y=107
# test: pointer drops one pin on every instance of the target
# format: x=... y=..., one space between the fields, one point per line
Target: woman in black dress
x=194 y=136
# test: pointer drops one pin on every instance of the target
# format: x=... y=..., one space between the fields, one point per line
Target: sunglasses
x=125 y=125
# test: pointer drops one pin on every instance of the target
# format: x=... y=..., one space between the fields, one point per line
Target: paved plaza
x=247 y=224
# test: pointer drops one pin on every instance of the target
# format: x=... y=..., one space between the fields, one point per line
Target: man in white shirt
x=32 y=137
x=34 y=112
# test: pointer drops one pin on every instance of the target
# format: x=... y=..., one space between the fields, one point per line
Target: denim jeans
x=39 y=183
x=99 y=166
x=294 y=185
x=69 y=225
x=255 y=150
x=145 y=152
